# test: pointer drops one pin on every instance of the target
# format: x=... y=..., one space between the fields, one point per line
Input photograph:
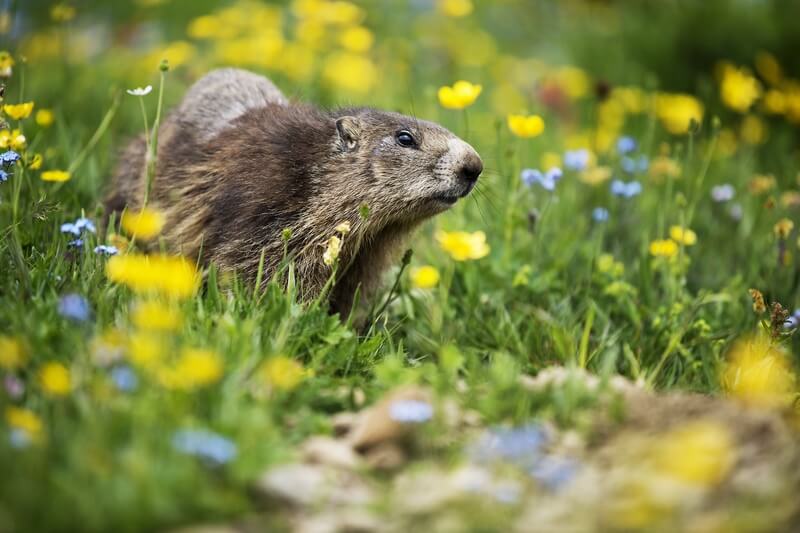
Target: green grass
x=105 y=459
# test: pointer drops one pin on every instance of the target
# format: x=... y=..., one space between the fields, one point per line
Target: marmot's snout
x=471 y=168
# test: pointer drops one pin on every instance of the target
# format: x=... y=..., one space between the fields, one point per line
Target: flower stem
x=152 y=151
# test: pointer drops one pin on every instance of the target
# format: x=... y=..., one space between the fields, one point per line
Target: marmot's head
x=404 y=169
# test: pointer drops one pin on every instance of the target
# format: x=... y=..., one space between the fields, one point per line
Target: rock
x=303 y=485
x=377 y=424
x=331 y=452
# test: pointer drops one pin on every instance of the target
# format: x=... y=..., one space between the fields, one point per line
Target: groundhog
x=239 y=167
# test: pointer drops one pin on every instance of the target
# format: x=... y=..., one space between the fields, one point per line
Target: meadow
x=600 y=338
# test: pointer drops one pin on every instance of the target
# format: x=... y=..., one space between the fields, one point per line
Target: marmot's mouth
x=448 y=199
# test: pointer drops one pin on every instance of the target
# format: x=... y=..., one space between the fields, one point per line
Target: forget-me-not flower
x=626 y=190
x=9 y=157
x=723 y=193
x=105 y=249
x=546 y=180
x=204 y=444
x=632 y=166
x=74 y=306
x=576 y=160
x=600 y=214
x=124 y=378
x=626 y=144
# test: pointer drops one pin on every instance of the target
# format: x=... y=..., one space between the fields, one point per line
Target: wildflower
x=526 y=126
x=36 y=162
x=758 y=301
x=595 y=175
x=554 y=472
x=759 y=372
x=204 y=444
x=626 y=145
x=768 y=67
x=410 y=411
x=723 y=193
x=738 y=89
x=75 y=307
x=664 y=167
x=753 y=130
x=24 y=420
x=12 y=139
x=632 y=166
x=700 y=453
x=45 y=118
x=424 y=277
x=282 y=373
x=793 y=320
x=76 y=243
x=682 y=235
x=6 y=64
x=626 y=190
x=171 y=276
x=600 y=214
x=332 y=251
x=462 y=94
x=146 y=350
x=761 y=183
x=521 y=446
x=350 y=72
x=18 y=111
x=357 y=39
x=663 y=248
x=463 y=246
x=783 y=228
x=195 y=368
x=144 y=224
x=155 y=316
x=547 y=180
x=55 y=379
x=677 y=111
x=455 y=8
x=12 y=353
x=3 y=176
x=140 y=91
x=79 y=226
x=107 y=250
x=343 y=227
x=9 y=158
x=55 y=175
x=14 y=386
x=577 y=160
x=124 y=378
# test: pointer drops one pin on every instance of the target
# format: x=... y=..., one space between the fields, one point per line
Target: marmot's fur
x=237 y=164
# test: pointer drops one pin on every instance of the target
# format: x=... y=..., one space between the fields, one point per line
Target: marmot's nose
x=471 y=168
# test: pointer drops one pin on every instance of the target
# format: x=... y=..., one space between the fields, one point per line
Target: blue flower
x=632 y=166
x=600 y=214
x=204 y=444
x=69 y=227
x=793 y=321
x=104 y=249
x=626 y=145
x=410 y=411
x=124 y=378
x=76 y=243
x=3 y=175
x=554 y=472
x=723 y=193
x=74 y=306
x=547 y=181
x=576 y=160
x=521 y=446
x=85 y=224
x=8 y=158
x=626 y=190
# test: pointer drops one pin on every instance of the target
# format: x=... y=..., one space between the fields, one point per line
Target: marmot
x=238 y=164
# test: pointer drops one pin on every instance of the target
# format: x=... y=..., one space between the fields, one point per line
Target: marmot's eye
x=405 y=139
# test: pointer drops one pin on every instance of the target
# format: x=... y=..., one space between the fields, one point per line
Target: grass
x=545 y=295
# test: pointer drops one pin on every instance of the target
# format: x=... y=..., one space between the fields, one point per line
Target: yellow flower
x=683 y=236
x=462 y=94
x=155 y=316
x=12 y=139
x=761 y=183
x=350 y=72
x=18 y=111
x=753 y=130
x=783 y=228
x=551 y=160
x=526 y=126
x=36 y=162
x=607 y=264
x=455 y=8
x=759 y=372
x=595 y=175
x=55 y=175
x=146 y=350
x=55 y=379
x=282 y=373
x=774 y=102
x=45 y=118
x=357 y=39
x=663 y=248
x=168 y=275
x=145 y=224
x=6 y=63
x=573 y=81
x=677 y=111
x=463 y=246
x=738 y=89
x=195 y=368
x=424 y=277
x=769 y=68
x=12 y=353
x=332 y=251
x=700 y=453
x=62 y=12
x=27 y=421
x=343 y=227
x=664 y=167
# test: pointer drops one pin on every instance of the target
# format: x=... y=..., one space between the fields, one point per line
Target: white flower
x=332 y=252
x=139 y=91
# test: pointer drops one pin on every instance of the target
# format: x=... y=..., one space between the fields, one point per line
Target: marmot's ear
x=349 y=129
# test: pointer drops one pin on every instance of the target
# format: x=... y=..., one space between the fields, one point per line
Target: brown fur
x=237 y=164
